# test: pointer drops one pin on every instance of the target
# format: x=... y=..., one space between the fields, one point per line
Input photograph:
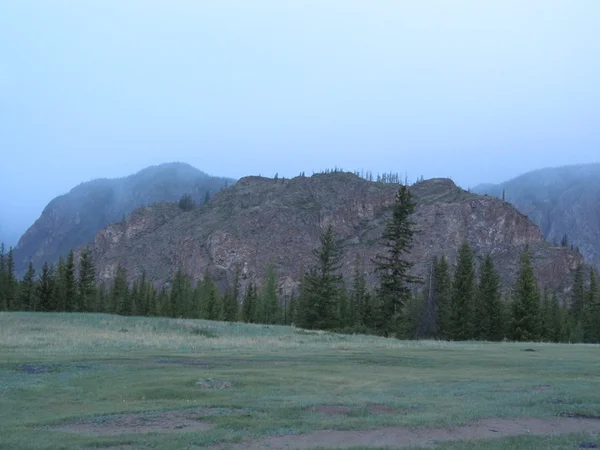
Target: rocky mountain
x=561 y=201
x=259 y=221
x=74 y=218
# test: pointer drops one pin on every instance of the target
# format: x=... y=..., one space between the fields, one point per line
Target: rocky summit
x=74 y=218
x=260 y=221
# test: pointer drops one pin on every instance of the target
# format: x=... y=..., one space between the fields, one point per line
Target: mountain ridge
x=260 y=221
x=73 y=218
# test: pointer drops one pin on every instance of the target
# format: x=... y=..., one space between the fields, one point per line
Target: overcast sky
x=477 y=90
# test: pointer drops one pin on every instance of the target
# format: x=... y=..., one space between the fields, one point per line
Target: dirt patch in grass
x=331 y=410
x=380 y=409
x=543 y=387
x=138 y=423
x=211 y=384
x=186 y=362
x=398 y=437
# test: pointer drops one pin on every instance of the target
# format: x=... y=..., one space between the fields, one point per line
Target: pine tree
x=3 y=298
x=119 y=295
x=358 y=298
x=46 y=290
x=427 y=326
x=392 y=266
x=463 y=296
x=27 y=293
x=269 y=310
x=442 y=291
x=249 y=305
x=231 y=298
x=591 y=328
x=555 y=319
x=488 y=317
x=10 y=282
x=319 y=300
x=526 y=302
x=578 y=295
x=545 y=316
x=210 y=299
x=180 y=297
x=86 y=281
x=68 y=284
x=343 y=311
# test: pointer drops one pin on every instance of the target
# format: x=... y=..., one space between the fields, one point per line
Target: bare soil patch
x=186 y=362
x=380 y=409
x=138 y=423
x=331 y=410
x=543 y=387
x=404 y=437
x=211 y=384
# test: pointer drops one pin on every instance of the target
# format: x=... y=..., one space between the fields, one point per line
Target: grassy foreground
x=58 y=369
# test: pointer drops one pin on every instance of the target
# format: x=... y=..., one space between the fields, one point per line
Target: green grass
x=263 y=380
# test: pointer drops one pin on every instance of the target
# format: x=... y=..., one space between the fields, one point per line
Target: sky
x=476 y=91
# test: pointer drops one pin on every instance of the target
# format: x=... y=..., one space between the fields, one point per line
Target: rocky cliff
x=259 y=221
x=74 y=219
x=561 y=201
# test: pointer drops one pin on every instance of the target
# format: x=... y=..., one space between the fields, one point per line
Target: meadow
x=82 y=381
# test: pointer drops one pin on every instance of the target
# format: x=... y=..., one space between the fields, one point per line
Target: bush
x=186 y=202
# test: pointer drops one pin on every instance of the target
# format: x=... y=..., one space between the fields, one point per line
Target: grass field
x=99 y=381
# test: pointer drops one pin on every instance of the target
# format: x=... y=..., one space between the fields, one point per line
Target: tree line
x=452 y=303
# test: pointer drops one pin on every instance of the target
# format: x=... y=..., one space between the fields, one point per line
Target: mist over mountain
x=74 y=218
x=563 y=201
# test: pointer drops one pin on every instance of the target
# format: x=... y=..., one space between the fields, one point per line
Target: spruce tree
x=463 y=296
x=10 y=282
x=3 y=297
x=578 y=294
x=269 y=309
x=231 y=301
x=526 y=302
x=27 y=295
x=86 y=281
x=442 y=291
x=180 y=297
x=121 y=302
x=358 y=298
x=46 y=300
x=249 y=305
x=210 y=299
x=555 y=319
x=488 y=315
x=60 y=287
x=591 y=322
x=392 y=264
x=319 y=302
x=69 y=284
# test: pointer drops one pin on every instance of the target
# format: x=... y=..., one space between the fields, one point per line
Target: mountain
x=561 y=201
x=74 y=218
x=259 y=221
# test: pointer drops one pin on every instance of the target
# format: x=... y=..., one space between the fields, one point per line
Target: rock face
x=74 y=219
x=561 y=201
x=259 y=221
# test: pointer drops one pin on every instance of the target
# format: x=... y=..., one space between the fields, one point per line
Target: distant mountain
x=562 y=201
x=73 y=219
x=260 y=221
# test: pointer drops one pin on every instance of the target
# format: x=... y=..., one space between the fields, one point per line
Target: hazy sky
x=476 y=90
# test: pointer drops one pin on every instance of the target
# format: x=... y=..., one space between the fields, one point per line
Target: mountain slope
x=259 y=221
x=74 y=218
x=561 y=201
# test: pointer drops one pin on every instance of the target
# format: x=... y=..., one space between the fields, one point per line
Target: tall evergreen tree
x=210 y=300
x=392 y=265
x=10 y=282
x=231 y=298
x=269 y=310
x=526 y=302
x=180 y=297
x=86 y=282
x=359 y=296
x=488 y=316
x=249 y=305
x=319 y=297
x=591 y=328
x=463 y=296
x=27 y=298
x=46 y=291
x=68 y=284
x=119 y=294
x=442 y=291
x=578 y=294
x=427 y=325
